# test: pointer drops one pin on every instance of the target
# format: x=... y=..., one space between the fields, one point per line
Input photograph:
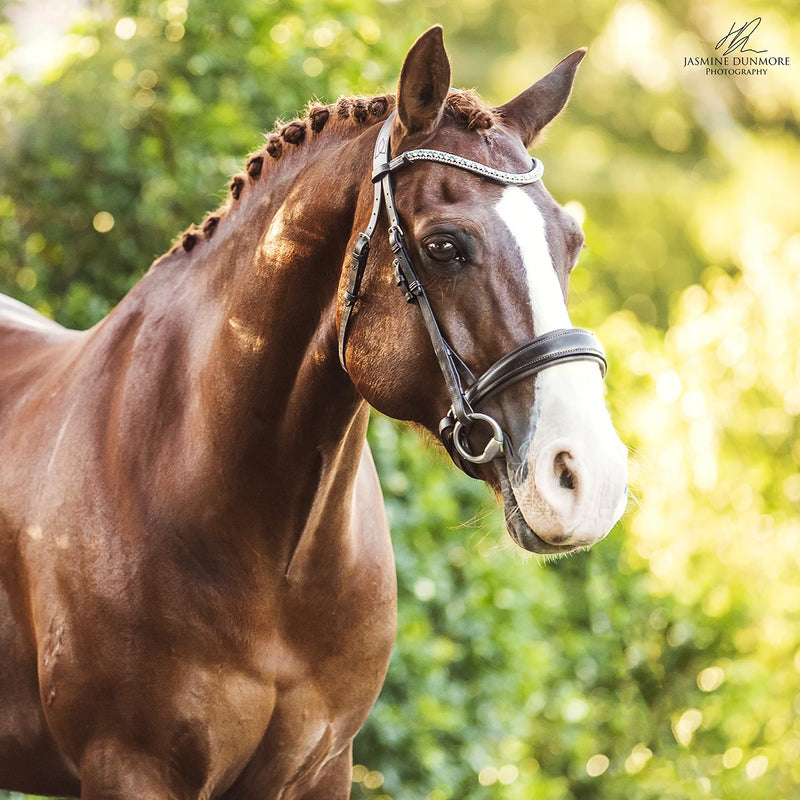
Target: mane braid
x=465 y=107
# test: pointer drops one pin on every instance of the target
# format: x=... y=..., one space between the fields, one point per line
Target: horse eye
x=442 y=250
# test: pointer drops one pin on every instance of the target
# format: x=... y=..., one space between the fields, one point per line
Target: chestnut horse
x=197 y=590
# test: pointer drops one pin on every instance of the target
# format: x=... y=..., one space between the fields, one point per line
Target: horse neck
x=266 y=409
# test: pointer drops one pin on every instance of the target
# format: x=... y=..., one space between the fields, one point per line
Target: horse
x=198 y=596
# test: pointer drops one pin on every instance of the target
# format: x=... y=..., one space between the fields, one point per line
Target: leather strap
x=361 y=250
x=359 y=261
x=555 y=347
x=415 y=293
x=410 y=284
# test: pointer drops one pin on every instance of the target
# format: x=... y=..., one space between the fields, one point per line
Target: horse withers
x=197 y=589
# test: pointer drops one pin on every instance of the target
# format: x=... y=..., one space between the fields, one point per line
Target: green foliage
x=665 y=662
x=148 y=130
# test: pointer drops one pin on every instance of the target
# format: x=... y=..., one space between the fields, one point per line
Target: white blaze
x=526 y=223
x=569 y=422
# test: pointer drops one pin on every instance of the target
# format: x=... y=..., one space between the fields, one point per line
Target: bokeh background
x=665 y=662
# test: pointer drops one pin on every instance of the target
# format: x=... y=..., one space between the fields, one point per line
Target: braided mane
x=466 y=107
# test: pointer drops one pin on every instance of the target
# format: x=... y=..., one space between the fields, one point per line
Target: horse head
x=484 y=254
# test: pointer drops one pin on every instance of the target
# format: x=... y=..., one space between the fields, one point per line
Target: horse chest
x=321 y=669
x=243 y=695
x=332 y=653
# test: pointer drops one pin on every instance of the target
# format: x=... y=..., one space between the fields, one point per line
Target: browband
x=451 y=160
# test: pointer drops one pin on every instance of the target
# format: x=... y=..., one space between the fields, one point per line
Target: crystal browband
x=440 y=157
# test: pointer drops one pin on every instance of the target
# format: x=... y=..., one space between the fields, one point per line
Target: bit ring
x=494 y=446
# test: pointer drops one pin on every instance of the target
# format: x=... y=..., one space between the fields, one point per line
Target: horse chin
x=518 y=529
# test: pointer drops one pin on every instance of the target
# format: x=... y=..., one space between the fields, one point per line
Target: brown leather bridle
x=554 y=347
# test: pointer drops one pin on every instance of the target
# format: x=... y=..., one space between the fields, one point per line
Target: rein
x=547 y=350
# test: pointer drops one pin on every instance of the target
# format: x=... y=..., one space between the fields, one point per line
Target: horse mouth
x=518 y=529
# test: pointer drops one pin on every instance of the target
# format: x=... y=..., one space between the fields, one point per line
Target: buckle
x=396 y=239
x=361 y=249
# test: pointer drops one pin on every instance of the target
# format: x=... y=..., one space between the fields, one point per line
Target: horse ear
x=529 y=112
x=424 y=83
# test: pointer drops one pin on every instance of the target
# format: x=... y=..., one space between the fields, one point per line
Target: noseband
x=554 y=347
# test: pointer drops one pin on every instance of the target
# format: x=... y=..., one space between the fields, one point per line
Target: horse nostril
x=561 y=467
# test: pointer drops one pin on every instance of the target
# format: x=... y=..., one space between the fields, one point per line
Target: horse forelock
x=465 y=107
